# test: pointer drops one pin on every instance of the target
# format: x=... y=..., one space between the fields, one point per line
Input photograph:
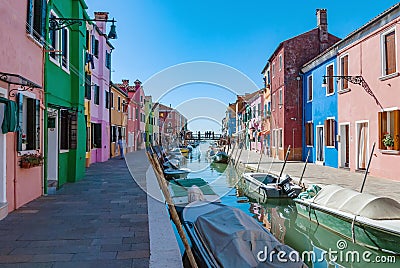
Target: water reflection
x=280 y=217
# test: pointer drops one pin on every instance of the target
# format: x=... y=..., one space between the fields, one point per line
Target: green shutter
x=29 y=16
x=20 y=101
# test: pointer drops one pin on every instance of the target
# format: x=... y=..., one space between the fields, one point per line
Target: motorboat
x=269 y=186
x=173 y=173
x=363 y=218
x=223 y=236
x=220 y=157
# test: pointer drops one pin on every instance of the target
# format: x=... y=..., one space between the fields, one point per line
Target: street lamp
x=357 y=80
x=60 y=23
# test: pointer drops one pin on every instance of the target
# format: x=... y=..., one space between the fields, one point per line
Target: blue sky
x=157 y=34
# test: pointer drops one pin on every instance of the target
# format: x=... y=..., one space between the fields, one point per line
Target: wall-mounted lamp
x=60 y=23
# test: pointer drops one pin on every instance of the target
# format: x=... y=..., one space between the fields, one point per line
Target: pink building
x=21 y=103
x=136 y=115
x=368 y=112
x=255 y=124
x=97 y=103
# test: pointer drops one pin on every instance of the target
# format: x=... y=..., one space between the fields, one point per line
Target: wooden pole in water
x=366 y=171
x=174 y=215
x=284 y=163
x=259 y=162
x=237 y=161
x=304 y=169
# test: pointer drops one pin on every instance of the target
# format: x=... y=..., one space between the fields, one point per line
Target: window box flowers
x=388 y=141
x=31 y=160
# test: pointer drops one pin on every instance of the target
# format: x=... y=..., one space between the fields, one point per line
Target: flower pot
x=25 y=165
x=389 y=147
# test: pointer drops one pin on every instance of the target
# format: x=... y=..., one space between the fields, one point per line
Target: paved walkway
x=322 y=175
x=100 y=221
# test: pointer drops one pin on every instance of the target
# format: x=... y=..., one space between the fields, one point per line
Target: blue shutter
x=29 y=16
x=20 y=101
x=44 y=14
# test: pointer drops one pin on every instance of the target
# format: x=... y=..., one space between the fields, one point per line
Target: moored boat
x=365 y=219
x=181 y=189
x=220 y=157
x=241 y=243
x=172 y=173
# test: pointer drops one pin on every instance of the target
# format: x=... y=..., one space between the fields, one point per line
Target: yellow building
x=118 y=121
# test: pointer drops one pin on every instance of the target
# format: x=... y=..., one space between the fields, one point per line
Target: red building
x=286 y=88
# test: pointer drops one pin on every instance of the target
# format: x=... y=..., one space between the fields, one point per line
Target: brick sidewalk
x=322 y=175
x=100 y=221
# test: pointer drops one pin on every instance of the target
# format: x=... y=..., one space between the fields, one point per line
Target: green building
x=148 y=109
x=64 y=123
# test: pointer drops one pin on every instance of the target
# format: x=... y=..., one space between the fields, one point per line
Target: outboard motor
x=287 y=188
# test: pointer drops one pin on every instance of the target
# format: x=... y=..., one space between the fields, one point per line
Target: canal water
x=280 y=217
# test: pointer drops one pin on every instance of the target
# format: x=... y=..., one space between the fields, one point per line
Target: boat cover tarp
x=360 y=204
x=236 y=239
x=180 y=187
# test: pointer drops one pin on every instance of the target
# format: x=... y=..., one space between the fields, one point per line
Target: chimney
x=125 y=82
x=101 y=16
x=322 y=23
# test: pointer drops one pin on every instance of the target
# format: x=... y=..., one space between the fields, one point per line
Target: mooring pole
x=304 y=169
x=366 y=171
x=284 y=163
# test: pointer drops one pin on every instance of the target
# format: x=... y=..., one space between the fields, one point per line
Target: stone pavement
x=100 y=221
x=322 y=175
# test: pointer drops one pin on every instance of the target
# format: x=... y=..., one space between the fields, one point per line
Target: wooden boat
x=172 y=173
x=180 y=190
x=268 y=186
x=220 y=157
x=224 y=236
x=365 y=219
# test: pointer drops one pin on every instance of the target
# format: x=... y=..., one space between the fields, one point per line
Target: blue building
x=320 y=109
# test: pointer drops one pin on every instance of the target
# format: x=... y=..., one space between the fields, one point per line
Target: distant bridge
x=196 y=137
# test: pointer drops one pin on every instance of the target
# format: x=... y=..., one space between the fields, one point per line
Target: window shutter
x=390 y=53
x=345 y=71
x=307 y=133
x=312 y=134
x=37 y=128
x=20 y=101
x=380 y=130
x=396 y=133
x=96 y=48
x=73 y=129
x=326 y=132
x=29 y=16
x=44 y=14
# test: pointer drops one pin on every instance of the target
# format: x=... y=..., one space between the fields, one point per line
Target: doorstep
x=3 y=210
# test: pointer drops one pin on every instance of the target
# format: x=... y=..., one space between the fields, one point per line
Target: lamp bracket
x=60 y=23
x=13 y=92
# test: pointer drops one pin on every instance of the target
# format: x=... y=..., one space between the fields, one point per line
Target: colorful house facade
x=97 y=86
x=286 y=88
x=320 y=110
x=65 y=126
x=149 y=113
x=21 y=101
x=266 y=113
x=118 y=120
x=369 y=108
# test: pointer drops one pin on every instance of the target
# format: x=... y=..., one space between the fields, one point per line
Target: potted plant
x=31 y=160
x=388 y=141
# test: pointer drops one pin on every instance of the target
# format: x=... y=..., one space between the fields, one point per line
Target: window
x=169 y=115
x=310 y=88
x=280 y=138
x=96 y=135
x=309 y=134
x=29 y=123
x=344 y=70
x=65 y=48
x=280 y=62
x=268 y=78
x=68 y=130
x=119 y=103
x=54 y=37
x=329 y=86
x=259 y=109
x=107 y=99
x=273 y=138
x=389 y=53
x=108 y=60
x=273 y=69
x=88 y=86
x=96 y=94
x=330 y=132
x=36 y=18
x=389 y=123
x=113 y=133
x=280 y=97
x=137 y=114
x=112 y=100
x=95 y=47
x=273 y=100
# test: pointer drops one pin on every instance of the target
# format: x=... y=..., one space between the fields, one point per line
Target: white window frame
x=312 y=134
x=57 y=33
x=327 y=83
x=334 y=134
x=280 y=138
x=356 y=127
x=66 y=68
x=273 y=69
x=383 y=58
x=280 y=103
x=280 y=62
x=312 y=88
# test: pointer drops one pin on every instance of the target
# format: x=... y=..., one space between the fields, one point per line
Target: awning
x=9 y=123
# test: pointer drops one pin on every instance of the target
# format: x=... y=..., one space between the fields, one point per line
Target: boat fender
x=195 y=194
